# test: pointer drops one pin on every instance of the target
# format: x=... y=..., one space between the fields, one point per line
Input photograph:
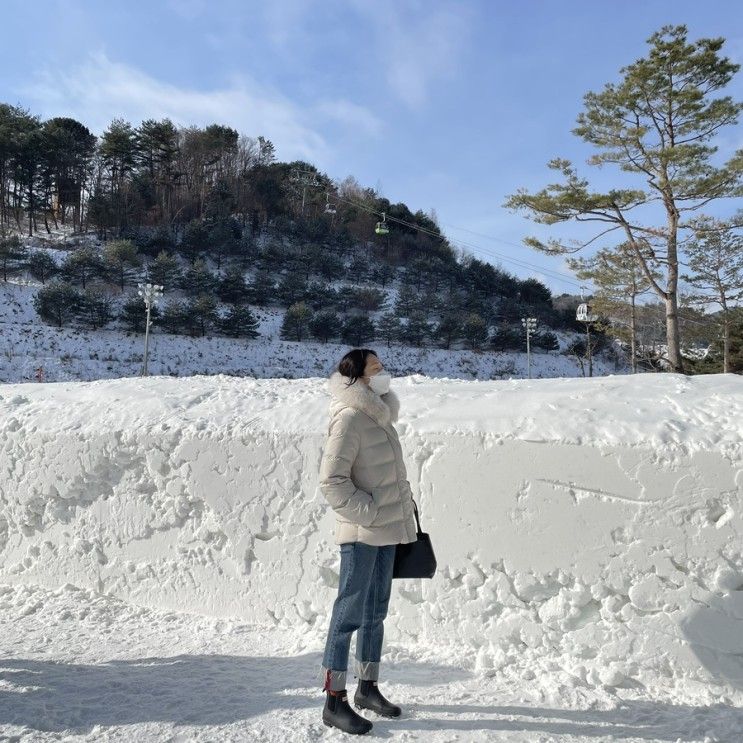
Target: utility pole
x=151 y=293
x=530 y=325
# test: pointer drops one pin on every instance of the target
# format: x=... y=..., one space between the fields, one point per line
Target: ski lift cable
x=506 y=242
x=517 y=261
x=523 y=264
x=552 y=273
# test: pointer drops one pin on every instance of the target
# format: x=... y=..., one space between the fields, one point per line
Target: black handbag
x=415 y=559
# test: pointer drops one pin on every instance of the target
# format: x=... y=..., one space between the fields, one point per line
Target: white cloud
x=419 y=44
x=100 y=89
x=416 y=43
x=284 y=21
x=357 y=118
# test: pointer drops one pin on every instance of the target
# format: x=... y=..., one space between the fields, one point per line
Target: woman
x=363 y=478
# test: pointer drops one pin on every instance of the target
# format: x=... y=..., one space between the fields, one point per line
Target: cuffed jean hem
x=333 y=680
x=366 y=669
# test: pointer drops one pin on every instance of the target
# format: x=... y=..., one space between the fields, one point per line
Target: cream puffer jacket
x=362 y=473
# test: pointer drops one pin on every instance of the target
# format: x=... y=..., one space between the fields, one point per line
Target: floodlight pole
x=150 y=293
x=530 y=324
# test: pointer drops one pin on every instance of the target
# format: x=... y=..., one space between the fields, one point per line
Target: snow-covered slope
x=30 y=350
x=586 y=530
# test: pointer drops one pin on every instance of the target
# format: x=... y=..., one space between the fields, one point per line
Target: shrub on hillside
x=325 y=325
x=239 y=322
x=57 y=302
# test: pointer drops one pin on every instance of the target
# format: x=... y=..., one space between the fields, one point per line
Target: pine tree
x=389 y=327
x=416 y=330
x=358 y=270
x=57 y=302
x=657 y=124
x=715 y=258
x=369 y=300
x=319 y=295
x=13 y=254
x=161 y=240
x=619 y=280
x=94 y=308
x=232 y=287
x=222 y=240
x=201 y=314
x=357 y=330
x=262 y=288
x=246 y=251
x=507 y=338
x=534 y=292
x=448 y=329
x=81 y=266
x=330 y=266
x=174 y=317
x=292 y=288
x=120 y=261
x=133 y=314
x=406 y=300
x=546 y=340
x=475 y=330
x=198 y=279
x=296 y=320
x=266 y=151
x=325 y=325
x=42 y=266
x=118 y=150
x=164 y=270
x=383 y=274
x=239 y=322
x=195 y=240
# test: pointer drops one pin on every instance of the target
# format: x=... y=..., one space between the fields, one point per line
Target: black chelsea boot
x=338 y=714
x=368 y=696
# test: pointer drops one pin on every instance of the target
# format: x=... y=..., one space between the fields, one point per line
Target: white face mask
x=380 y=382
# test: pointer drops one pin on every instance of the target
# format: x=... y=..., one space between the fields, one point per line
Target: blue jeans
x=364 y=588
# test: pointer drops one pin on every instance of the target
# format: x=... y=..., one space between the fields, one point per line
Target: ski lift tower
x=304 y=178
x=150 y=293
x=584 y=314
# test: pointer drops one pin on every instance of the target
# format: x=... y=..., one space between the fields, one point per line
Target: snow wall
x=587 y=527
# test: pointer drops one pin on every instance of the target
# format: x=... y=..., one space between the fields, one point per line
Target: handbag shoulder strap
x=415 y=511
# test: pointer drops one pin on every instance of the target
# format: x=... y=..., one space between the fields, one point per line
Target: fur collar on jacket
x=382 y=408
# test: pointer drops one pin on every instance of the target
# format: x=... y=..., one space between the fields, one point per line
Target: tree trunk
x=633 y=335
x=673 y=339
x=672 y=333
x=726 y=345
x=31 y=210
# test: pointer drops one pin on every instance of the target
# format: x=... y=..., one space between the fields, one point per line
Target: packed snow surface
x=588 y=536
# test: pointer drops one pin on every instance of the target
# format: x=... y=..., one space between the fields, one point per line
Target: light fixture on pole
x=150 y=293
x=530 y=326
x=584 y=313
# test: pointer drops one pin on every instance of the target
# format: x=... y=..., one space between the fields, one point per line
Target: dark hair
x=353 y=363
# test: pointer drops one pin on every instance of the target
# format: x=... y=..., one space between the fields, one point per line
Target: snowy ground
x=588 y=534
x=78 y=666
x=65 y=354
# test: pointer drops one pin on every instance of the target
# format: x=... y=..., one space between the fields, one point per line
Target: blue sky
x=444 y=105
